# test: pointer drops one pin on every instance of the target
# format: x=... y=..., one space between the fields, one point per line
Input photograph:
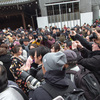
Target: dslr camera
x=93 y=36
x=39 y=39
x=34 y=83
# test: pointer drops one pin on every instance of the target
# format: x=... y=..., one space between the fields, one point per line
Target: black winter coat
x=6 y=59
x=83 y=41
x=90 y=60
x=55 y=78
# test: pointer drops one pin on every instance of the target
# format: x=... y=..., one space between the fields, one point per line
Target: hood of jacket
x=56 y=78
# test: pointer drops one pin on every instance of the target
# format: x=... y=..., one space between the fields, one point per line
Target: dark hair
x=58 y=34
x=72 y=63
x=4 y=45
x=41 y=29
x=31 y=36
x=3 y=51
x=16 y=48
x=42 y=50
x=56 y=47
x=32 y=52
x=34 y=45
x=3 y=78
x=68 y=42
x=22 y=35
x=62 y=30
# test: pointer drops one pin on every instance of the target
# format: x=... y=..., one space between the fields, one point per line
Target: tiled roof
x=12 y=2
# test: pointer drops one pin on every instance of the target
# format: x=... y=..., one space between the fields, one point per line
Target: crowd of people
x=50 y=63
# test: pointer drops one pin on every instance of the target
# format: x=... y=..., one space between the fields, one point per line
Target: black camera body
x=93 y=36
x=39 y=39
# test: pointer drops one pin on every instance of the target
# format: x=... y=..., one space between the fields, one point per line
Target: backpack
x=85 y=80
x=68 y=93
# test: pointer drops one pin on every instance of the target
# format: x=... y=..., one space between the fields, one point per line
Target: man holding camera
x=89 y=59
x=50 y=40
x=54 y=74
x=39 y=53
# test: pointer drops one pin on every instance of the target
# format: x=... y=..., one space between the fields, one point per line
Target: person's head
x=17 y=49
x=46 y=27
x=55 y=26
x=64 y=25
x=67 y=45
x=50 y=27
x=30 y=36
x=39 y=53
x=54 y=61
x=68 y=29
x=62 y=39
x=32 y=53
x=3 y=45
x=71 y=58
x=3 y=51
x=54 y=31
x=3 y=78
x=48 y=35
x=26 y=41
x=22 y=36
x=86 y=30
x=96 y=44
x=33 y=46
x=63 y=31
x=26 y=32
x=14 y=36
x=34 y=33
x=18 y=36
x=40 y=37
x=58 y=30
x=42 y=30
x=58 y=34
x=55 y=47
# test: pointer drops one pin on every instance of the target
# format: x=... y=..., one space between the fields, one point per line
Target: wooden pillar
x=23 y=19
x=33 y=22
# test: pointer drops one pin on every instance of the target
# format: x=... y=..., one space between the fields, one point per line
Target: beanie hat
x=54 y=61
x=70 y=55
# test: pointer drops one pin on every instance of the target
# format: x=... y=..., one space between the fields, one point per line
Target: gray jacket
x=10 y=94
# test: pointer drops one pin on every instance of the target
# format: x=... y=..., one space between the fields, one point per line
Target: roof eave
x=16 y=3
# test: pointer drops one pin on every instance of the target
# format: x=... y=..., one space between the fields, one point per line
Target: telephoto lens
x=34 y=83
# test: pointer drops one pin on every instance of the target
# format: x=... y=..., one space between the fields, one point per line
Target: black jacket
x=6 y=59
x=90 y=60
x=83 y=41
x=55 y=78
